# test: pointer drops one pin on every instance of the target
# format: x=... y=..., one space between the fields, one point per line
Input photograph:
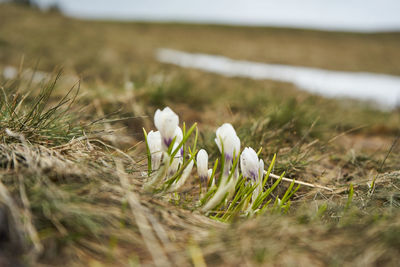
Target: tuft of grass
x=37 y=118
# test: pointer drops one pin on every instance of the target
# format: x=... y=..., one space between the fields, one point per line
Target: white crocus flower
x=228 y=141
x=227 y=137
x=166 y=121
x=261 y=170
x=249 y=164
x=154 y=143
x=202 y=165
x=253 y=169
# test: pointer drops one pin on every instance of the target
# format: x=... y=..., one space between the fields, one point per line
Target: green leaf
x=271 y=165
x=285 y=196
x=171 y=147
x=213 y=173
x=184 y=139
x=259 y=152
x=259 y=200
x=195 y=140
x=243 y=195
x=222 y=201
x=208 y=195
x=264 y=208
x=222 y=162
x=234 y=165
x=321 y=210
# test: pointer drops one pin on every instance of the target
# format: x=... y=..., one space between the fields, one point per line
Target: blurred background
x=304 y=48
x=353 y=15
x=267 y=53
x=247 y=58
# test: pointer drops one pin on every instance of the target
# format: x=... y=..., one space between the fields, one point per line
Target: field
x=72 y=150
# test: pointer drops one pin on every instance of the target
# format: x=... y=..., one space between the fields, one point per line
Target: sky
x=346 y=15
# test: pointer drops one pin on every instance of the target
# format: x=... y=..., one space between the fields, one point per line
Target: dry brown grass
x=76 y=211
x=68 y=205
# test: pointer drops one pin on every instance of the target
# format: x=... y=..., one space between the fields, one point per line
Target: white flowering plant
x=235 y=185
x=170 y=161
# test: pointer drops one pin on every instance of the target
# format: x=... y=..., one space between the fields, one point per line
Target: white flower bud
x=260 y=170
x=226 y=137
x=250 y=164
x=202 y=164
x=154 y=143
x=166 y=121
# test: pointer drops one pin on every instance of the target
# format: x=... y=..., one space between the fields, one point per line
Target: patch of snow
x=382 y=89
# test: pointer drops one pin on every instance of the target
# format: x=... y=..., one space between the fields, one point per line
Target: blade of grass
x=149 y=168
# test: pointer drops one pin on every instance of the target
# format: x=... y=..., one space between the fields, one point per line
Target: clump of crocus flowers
x=236 y=184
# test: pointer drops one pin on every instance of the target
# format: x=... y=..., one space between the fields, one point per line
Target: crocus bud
x=250 y=164
x=154 y=143
x=260 y=169
x=202 y=164
x=166 y=121
x=226 y=137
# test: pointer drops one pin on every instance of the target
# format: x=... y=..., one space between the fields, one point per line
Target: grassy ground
x=64 y=197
